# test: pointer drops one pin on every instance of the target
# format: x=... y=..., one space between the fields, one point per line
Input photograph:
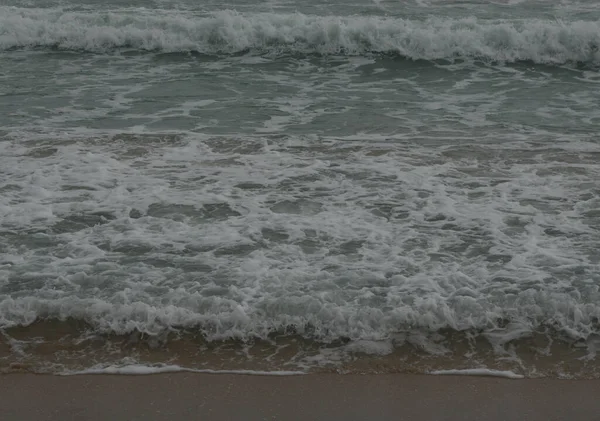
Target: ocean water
x=346 y=185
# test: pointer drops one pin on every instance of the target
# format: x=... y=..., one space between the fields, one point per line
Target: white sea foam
x=137 y=369
x=396 y=243
x=227 y=32
x=479 y=372
x=367 y=198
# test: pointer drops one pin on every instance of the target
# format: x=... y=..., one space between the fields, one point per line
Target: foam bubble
x=137 y=369
x=479 y=372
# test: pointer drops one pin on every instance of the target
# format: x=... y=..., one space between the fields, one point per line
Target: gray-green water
x=345 y=171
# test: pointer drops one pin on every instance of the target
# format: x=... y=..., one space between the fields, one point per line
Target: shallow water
x=374 y=176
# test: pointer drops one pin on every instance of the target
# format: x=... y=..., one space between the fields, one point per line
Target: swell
x=229 y=32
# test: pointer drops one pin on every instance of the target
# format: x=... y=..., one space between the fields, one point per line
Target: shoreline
x=67 y=346
x=192 y=396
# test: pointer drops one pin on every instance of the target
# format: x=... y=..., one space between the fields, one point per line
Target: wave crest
x=229 y=32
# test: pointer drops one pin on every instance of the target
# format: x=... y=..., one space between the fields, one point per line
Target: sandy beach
x=188 y=396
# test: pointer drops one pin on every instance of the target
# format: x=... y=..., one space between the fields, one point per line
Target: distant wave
x=229 y=32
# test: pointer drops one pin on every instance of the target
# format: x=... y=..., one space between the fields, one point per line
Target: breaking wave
x=225 y=319
x=229 y=32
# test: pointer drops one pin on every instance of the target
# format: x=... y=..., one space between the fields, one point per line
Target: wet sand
x=188 y=396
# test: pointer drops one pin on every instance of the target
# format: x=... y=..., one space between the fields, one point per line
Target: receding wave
x=229 y=32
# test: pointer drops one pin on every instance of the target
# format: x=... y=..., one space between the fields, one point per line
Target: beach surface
x=193 y=396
